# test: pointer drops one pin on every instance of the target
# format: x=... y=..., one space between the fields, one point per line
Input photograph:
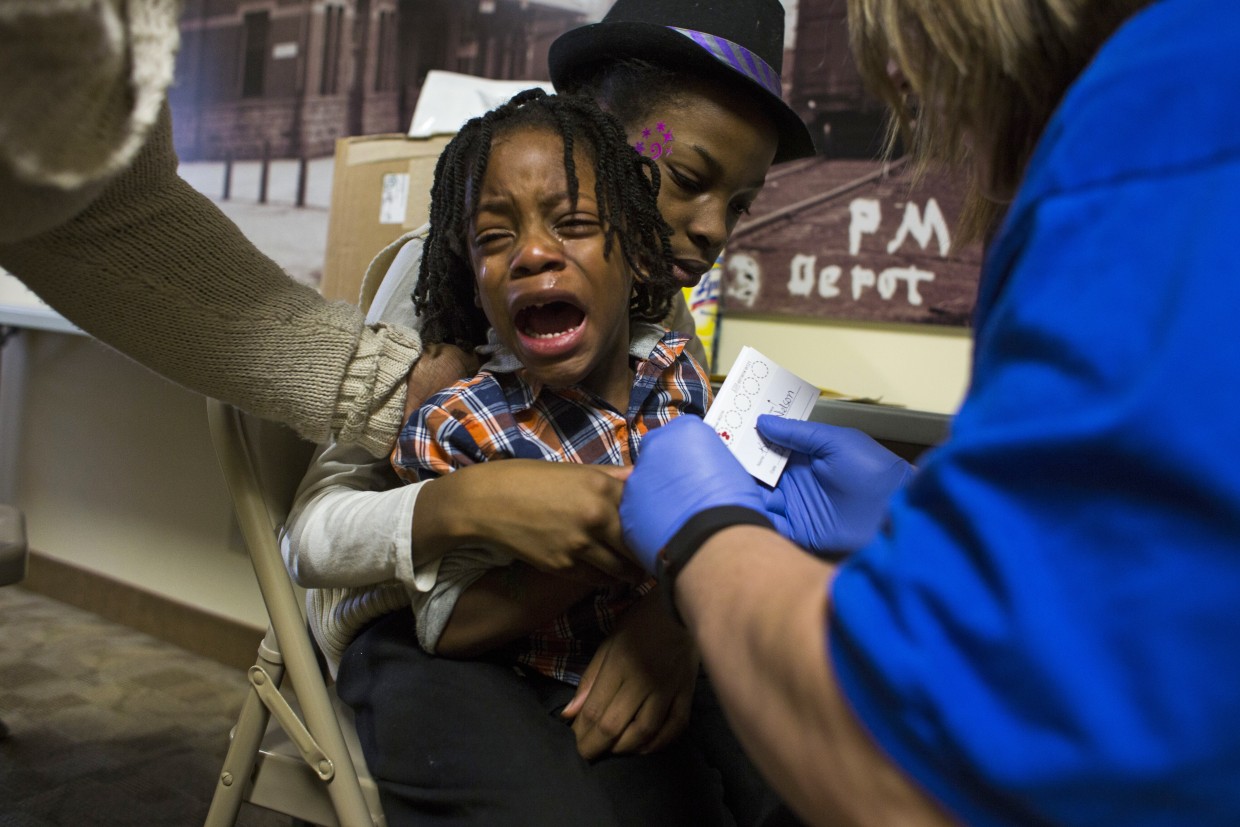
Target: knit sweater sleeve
x=154 y=269
x=81 y=84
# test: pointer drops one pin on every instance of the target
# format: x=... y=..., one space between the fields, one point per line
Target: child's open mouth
x=549 y=321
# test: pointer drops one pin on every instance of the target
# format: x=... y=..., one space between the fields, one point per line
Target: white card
x=755 y=385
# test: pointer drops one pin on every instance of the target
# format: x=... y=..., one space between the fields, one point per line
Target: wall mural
x=264 y=89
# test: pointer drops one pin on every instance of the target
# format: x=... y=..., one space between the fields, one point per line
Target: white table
x=20 y=310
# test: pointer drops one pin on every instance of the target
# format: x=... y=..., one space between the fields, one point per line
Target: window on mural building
x=254 y=70
x=385 y=64
x=333 y=25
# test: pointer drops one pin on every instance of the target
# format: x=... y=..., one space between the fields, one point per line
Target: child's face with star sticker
x=713 y=149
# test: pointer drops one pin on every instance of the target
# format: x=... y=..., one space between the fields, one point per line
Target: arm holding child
x=635 y=695
x=483 y=598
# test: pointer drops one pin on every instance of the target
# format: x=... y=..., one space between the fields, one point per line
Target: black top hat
x=734 y=40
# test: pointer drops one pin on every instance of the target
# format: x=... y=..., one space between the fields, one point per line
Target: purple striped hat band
x=738 y=57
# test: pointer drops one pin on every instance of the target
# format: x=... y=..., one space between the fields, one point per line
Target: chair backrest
x=263 y=463
x=279 y=458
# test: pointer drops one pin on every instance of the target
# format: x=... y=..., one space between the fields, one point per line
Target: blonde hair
x=983 y=79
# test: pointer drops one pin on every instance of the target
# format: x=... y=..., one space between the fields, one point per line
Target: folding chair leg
x=243 y=750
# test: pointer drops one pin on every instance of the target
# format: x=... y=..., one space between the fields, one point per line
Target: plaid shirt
x=498 y=414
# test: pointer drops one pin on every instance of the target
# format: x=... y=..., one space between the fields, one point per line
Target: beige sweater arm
x=154 y=269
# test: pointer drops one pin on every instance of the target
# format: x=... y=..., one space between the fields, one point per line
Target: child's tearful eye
x=549 y=319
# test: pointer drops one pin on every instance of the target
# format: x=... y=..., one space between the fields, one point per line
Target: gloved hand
x=834 y=490
x=684 y=469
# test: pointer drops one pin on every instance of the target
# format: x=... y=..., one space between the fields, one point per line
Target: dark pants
x=475 y=742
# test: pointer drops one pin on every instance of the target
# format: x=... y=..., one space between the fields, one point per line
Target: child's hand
x=636 y=694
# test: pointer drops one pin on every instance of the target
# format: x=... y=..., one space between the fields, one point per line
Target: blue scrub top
x=1048 y=629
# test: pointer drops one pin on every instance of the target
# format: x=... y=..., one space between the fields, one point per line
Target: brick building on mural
x=825 y=88
x=288 y=77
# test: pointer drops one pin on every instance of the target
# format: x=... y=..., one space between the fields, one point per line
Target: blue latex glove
x=684 y=468
x=833 y=494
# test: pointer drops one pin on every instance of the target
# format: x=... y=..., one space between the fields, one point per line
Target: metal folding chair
x=294 y=749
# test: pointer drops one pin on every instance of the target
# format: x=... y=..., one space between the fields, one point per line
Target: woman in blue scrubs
x=1041 y=625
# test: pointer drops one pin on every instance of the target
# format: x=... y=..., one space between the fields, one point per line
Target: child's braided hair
x=626 y=189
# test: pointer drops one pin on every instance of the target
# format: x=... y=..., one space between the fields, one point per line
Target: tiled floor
x=108 y=726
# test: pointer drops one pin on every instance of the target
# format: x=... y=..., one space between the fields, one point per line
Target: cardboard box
x=381 y=188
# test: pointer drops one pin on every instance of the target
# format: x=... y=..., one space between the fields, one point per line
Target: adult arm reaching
x=758 y=607
x=96 y=221
x=154 y=269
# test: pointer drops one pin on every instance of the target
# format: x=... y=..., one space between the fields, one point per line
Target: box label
x=394 y=198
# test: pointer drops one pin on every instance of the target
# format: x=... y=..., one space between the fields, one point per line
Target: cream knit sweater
x=95 y=220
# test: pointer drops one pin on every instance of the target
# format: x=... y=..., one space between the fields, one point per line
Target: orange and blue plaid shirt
x=498 y=414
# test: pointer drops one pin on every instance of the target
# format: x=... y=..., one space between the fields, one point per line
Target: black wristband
x=691 y=536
